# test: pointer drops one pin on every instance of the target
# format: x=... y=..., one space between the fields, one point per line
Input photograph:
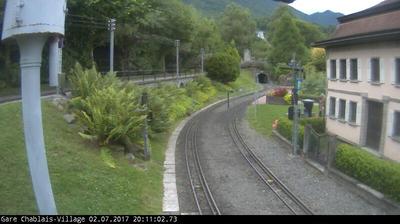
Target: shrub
x=84 y=81
x=380 y=174
x=280 y=92
x=3 y=84
x=317 y=123
x=111 y=115
x=285 y=128
x=223 y=67
x=288 y=98
x=314 y=84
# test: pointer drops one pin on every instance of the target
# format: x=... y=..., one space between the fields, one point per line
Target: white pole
x=31 y=57
x=202 y=60
x=53 y=62
x=112 y=29
x=177 y=58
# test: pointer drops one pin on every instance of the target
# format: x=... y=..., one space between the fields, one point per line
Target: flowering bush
x=288 y=98
x=279 y=92
x=275 y=124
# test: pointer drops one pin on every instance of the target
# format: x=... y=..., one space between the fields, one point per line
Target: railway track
x=202 y=194
x=291 y=201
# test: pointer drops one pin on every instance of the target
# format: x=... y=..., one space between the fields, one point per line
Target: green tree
x=236 y=24
x=287 y=40
x=310 y=32
x=224 y=66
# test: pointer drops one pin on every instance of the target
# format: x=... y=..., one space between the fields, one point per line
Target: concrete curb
x=170 y=197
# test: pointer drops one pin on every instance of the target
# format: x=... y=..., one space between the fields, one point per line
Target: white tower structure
x=31 y=23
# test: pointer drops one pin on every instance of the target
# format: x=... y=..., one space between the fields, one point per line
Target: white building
x=363 y=69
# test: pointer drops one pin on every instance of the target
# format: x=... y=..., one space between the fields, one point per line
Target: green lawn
x=83 y=183
x=262 y=119
x=265 y=115
x=244 y=83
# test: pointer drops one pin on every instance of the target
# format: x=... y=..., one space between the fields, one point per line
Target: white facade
x=368 y=80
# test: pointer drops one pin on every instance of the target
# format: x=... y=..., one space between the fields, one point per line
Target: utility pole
x=296 y=68
x=147 y=151
x=111 y=27
x=202 y=60
x=177 y=43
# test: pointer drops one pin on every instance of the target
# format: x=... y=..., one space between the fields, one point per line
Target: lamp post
x=202 y=60
x=111 y=27
x=296 y=68
x=177 y=44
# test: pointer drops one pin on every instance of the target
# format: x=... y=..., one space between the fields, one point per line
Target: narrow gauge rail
x=203 y=197
x=292 y=202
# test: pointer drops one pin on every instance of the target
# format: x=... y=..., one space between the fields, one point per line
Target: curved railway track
x=288 y=198
x=202 y=194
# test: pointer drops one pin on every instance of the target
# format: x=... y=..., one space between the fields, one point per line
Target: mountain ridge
x=260 y=8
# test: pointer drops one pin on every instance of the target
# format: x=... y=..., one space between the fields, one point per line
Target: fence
x=320 y=148
x=154 y=75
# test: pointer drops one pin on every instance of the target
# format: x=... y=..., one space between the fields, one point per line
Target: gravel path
x=239 y=191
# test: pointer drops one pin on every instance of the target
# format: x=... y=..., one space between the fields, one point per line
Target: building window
x=396 y=128
x=332 y=107
x=397 y=71
x=353 y=112
x=375 y=70
x=333 y=69
x=353 y=69
x=342 y=109
x=343 y=69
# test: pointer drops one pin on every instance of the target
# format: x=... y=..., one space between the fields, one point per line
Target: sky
x=344 y=6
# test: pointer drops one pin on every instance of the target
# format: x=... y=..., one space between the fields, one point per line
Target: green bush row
x=285 y=128
x=317 y=123
x=380 y=174
x=111 y=111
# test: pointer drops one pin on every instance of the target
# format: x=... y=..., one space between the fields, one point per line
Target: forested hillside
x=146 y=31
x=261 y=8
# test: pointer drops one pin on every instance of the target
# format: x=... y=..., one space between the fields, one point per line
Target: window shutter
x=359 y=113
x=390 y=123
x=338 y=69
x=393 y=71
x=337 y=108
x=369 y=70
x=328 y=69
x=382 y=70
x=328 y=106
x=360 y=72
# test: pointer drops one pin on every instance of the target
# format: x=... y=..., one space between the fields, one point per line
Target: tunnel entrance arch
x=262 y=78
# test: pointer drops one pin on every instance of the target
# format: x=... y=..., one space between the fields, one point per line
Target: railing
x=320 y=148
x=154 y=75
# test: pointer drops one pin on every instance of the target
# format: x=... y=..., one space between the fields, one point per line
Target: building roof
x=380 y=22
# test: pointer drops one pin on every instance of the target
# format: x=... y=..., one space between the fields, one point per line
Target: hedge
x=380 y=174
x=285 y=128
x=317 y=123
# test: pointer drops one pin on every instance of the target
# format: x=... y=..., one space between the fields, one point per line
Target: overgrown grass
x=82 y=182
